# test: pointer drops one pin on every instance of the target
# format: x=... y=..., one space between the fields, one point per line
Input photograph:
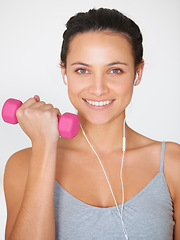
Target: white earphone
x=120 y=211
x=136 y=78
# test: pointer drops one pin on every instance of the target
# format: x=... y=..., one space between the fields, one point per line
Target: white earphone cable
x=101 y=165
x=123 y=148
x=122 y=185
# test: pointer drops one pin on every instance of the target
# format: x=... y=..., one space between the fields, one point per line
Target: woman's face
x=100 y=71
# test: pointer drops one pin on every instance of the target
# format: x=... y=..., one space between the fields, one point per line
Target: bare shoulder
x=172 y=160
x=141 y=142
x=171 y=172
x=16 y=168
x=173 y=151
x=172 y=166
x=15 y=176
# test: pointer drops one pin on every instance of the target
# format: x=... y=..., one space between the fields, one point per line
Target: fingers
x=37 y=98
x=40 y=105
x=39 y=120
x=30 y=101
x=56 y=110
x=35 y=103
x=43 y=106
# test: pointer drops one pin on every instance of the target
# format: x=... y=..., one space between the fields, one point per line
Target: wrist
x=43 y=158
x=43 y=151
x=44 y=145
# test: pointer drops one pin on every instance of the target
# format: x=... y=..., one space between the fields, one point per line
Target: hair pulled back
x=103 y=19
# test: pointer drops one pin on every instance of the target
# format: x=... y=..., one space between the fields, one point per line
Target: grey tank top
x=147 y=216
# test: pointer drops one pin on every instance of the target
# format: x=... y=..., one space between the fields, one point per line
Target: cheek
x=74 y=87
x=128 y=89
x=124 y=93
x=74 y=90
x=122 y=88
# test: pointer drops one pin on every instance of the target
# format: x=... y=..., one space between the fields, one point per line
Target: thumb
x=37 y=98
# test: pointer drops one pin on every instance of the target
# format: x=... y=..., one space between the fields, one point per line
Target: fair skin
x=99 y=67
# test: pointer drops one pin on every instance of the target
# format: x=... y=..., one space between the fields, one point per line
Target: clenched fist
x=39 y=120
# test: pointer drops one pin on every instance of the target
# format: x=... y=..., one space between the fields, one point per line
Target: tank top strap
x=162 y=156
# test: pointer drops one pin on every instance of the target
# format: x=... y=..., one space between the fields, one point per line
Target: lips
x=99 y=103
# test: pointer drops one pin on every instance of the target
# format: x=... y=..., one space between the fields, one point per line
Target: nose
x=98 y=86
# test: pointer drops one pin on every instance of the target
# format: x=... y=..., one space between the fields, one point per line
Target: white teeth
x=99 y=104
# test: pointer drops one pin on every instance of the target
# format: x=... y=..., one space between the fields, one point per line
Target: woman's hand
x=39 y=120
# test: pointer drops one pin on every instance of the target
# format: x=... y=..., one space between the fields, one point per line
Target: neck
x=105 y=138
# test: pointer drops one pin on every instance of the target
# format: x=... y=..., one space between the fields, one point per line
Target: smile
x=100 y=103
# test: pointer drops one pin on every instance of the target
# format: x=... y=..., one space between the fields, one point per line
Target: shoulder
x=173 y=149
x=16 y=171
x=172 y=159
x=15 y=176
x=152 y=148
x=17 y=166
x=172 y=167
x=171 y=172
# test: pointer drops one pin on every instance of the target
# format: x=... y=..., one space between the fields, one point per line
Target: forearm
x=35 y=219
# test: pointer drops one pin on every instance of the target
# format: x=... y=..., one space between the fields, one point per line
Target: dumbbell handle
x=68 y=123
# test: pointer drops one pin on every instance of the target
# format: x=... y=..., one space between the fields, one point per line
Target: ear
x=63 y=72
x=139 y=70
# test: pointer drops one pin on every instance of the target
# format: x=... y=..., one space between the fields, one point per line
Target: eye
x=81 y=71
x=116 y=71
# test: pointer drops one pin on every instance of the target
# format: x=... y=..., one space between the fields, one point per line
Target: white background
x=30 y=42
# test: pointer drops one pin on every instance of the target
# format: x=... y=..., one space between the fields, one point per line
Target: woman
x=93 y=186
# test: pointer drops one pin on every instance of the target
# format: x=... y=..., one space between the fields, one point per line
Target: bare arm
x=30 y=176
x=177 y=193
x=33 y=213
x=172 y=172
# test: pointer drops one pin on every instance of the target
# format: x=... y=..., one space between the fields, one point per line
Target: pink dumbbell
x=68 y=123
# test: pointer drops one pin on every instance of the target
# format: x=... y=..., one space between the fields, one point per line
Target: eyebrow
x=115 y=63
x=80 y=63
x=110 y=64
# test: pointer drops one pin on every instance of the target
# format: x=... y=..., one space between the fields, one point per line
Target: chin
x=95 y=119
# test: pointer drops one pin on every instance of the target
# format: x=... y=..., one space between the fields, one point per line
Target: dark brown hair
x=103 y=19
